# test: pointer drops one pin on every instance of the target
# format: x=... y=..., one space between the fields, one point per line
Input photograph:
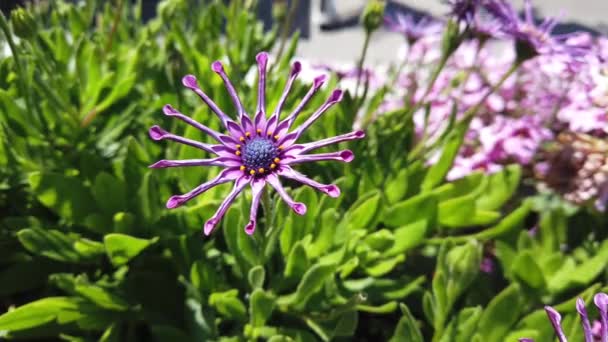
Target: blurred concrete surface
x=345 y=44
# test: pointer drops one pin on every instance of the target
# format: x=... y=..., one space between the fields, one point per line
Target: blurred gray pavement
x=345 y=44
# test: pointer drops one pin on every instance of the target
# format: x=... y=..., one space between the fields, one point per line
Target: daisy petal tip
x=209 y=227
x=299 y=208
x=250 y=227
x=580 y=305
x=157 y=133
x=553 y=314
x=217 y=67
x=174 y=202
x=347 y=155
x=169 y=110
x=359 y=134
x=189 y=81
x=296 y=68
x=332 y=191
x=319 y=80
x=262 y=57
x=601 y=301
x=336 y=95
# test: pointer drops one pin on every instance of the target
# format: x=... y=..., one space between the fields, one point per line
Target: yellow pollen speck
x=242 y=139
x=238 y=146
x=259 y=131
x=280 y=148
x=238 y=153
x=252 y=172
x=269 y=134
x=261 y=170
x=243 y=167
x=276 y=160
x=247 y=134
x=276 y=137
x=272 y=166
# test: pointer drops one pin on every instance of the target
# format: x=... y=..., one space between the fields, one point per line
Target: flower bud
x=451 y=38
x=279 y=10
x=23 y=22
x=373 y=15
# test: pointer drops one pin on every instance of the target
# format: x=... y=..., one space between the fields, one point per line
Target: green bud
x=372 y=15
x=451 y=38
x=279 y=10
x=24 y=24
x=463 y=263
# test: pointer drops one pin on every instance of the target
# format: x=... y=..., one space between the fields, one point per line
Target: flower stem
x=287 y=27
x=368 y=35
x=22 y=76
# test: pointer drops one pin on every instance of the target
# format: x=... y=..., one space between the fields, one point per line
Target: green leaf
x=228 y=304
x=500 y=188
x=66 y=196
x=571 y=275
x=383 y=267
x=362 y=212
x=58 y=246
x=457 y=212
x=396 y=187
x=297 y=261
x=62 y=310
x=420 y=207
x=525 y=268
x=110 y=193
x=311 y=282
x=408 y=236
x=122 y=248
x=451 y=146
x=407 y=329
x=261 y=307
x=463 y=326
x=380 y=240
x=501 y=314
x=256 y=277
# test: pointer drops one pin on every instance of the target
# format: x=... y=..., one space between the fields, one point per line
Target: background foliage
x=89 y=251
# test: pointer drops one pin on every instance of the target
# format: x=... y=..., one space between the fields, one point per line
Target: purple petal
x=580 y=307
x=247 y=125
x=344 y=156
x=525 y=340
x=260 y=123
x=161 y=164
x=335 y=97
x=257 y=185
x=189 y=81
x=170 y=111
x=276 y=115
x=224 y=176
x=157 y=133
x=262 y=59
x=601 y=301
x=297 y=207
x=556 y=319
x=218 y=68
x=330 y=141
x=235 y=130
x=330 y=189
x=317 y=83
x=239 y=185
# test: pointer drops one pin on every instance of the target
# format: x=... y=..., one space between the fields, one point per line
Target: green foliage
x=90 y=252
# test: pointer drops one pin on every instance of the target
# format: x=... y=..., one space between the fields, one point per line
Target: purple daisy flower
x=601 y=301
x=532 y=39
x=256 y=150
x=411 y=28
x=464 y=10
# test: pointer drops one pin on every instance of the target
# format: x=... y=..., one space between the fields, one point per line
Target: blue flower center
x=259 y=153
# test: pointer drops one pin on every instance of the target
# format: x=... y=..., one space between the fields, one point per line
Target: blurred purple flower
x=464 y=10
x=411 y=28
x=597 y=333
x=257 y=150
x=532 y=39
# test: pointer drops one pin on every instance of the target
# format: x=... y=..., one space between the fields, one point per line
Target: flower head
x=258 y=149
x=600 y=300
x=464 y=10
x=411 y=28
x=531 y=39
